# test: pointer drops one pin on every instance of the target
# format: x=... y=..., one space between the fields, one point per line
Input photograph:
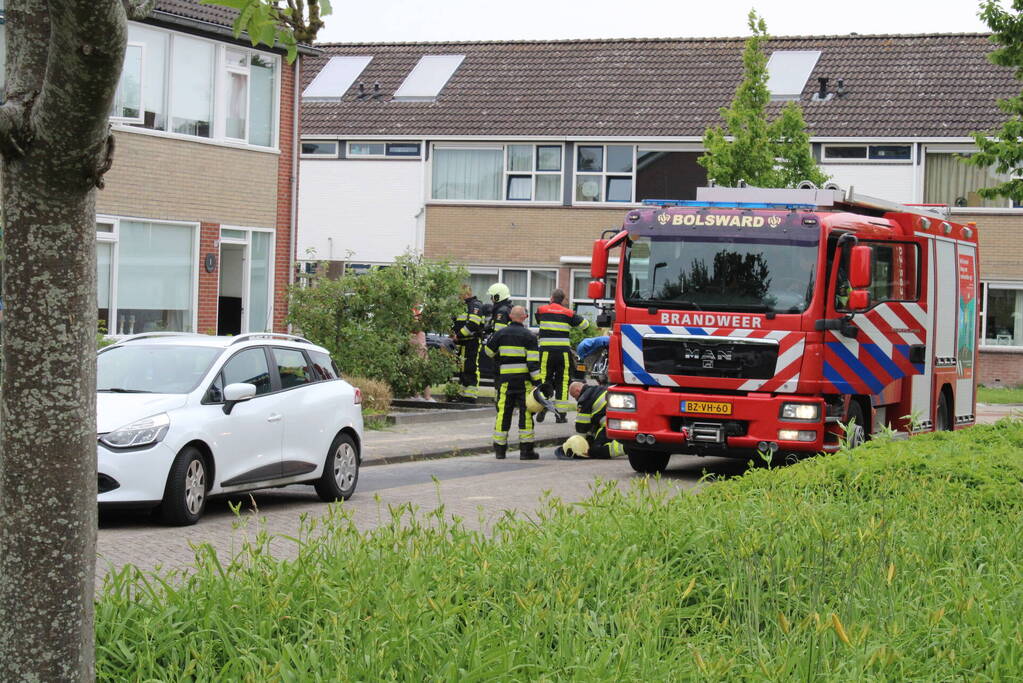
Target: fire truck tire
x=856 y=418
x=942 y=420
x=647 y=462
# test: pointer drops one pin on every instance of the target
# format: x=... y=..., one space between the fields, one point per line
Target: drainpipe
x=295 y=145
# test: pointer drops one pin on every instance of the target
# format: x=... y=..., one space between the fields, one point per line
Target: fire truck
x=785 y=322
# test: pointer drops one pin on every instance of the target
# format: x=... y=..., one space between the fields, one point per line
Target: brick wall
x=491 y=235
x=167 y=178
x=209 y=283
x=1001 y=249
x=1000 y=368
x=286 y=171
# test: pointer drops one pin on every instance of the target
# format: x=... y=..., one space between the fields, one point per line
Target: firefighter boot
x=500 y=450
x=527 y=452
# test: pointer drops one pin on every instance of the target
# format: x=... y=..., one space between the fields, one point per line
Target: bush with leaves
x=366 y=320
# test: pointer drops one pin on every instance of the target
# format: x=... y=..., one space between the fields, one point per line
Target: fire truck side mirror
x=859 y=300
x=595 y=290
x=859 y=267
x=598 y=263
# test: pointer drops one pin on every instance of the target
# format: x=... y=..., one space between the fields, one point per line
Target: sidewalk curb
x=446 y=453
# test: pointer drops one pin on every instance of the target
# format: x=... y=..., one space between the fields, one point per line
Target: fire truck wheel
x=647 y=462
x=855 y=418
x=942 y=420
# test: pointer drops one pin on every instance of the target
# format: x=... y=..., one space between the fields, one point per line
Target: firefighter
x=500 y=298
x=468 y=330
x=555 y=322
x=516 y=371
x=591 y=440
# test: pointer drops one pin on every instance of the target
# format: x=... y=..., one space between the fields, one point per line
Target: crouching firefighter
x=555 y=322
x=468 y=331
x=591 y=440
x=516 y=369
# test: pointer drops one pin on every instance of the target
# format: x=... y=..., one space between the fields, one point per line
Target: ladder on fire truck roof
x=765 y=197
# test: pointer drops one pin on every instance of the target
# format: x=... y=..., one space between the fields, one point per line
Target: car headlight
x=801 y=411
x=142 y=432
x=621 y=401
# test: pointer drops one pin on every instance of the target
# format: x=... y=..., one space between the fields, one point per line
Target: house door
x=231 y=300
x=246 y=278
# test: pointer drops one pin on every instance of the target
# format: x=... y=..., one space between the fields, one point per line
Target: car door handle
x=275 y=417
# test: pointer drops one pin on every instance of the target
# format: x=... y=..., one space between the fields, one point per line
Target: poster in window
x=967 y=328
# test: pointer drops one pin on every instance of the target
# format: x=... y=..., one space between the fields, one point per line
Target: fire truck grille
x=710 y=357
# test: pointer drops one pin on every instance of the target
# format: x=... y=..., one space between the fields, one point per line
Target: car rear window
x=292 y=367
x=323 y=365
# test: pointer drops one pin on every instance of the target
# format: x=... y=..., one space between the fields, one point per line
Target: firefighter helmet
x=537 y=401
x=498 y=292
x=576 y=445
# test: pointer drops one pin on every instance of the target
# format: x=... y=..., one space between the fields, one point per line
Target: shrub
x=366 y=320
x=896 y=561
x=376 y=395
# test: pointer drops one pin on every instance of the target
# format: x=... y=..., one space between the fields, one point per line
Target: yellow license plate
x=706 y=407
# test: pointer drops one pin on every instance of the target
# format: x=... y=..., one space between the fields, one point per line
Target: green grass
x=999 y=395
x=897 y=561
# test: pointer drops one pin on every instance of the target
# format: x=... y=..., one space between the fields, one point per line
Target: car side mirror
x=236 y=393
x=859 y=300
x=859 y=267
x=595 y=290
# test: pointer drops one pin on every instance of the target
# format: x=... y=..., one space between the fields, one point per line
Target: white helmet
x=498 y=292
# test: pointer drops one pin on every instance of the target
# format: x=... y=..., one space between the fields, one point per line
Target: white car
x=182 y=417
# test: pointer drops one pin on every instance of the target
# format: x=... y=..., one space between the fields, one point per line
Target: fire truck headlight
x=617 y=401
x=796 y=435
x=801 y=411
x=623 y=425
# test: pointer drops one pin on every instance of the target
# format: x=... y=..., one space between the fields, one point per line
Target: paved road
x=477 y=488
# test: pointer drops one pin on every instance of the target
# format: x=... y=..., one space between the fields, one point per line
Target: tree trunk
x=48 y=399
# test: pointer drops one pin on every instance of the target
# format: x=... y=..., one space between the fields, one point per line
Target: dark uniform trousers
x=591 y=421
x=468 y=329
x=556 y=322
x=516 y=370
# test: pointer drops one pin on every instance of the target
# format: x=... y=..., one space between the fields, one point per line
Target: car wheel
x=184 y=497
x=340 y=471
x=857 y=433
x=647 y=462
x=942 y=421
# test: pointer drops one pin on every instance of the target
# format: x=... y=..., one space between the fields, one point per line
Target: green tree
x=366 y=320
x=1002 y=150
x=750 y=147
x=64 y=60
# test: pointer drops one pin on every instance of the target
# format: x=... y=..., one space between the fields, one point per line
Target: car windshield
x=153 y=369
x=721 y=274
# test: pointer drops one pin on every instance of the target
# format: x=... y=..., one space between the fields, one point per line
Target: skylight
x=787 y=71
x=335 y=78
x=428 y=77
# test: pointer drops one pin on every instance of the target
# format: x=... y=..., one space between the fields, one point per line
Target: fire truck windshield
x=720 y=273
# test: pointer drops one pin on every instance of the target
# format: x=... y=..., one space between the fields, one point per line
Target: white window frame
x=530 y=297
x=247 y=269
x=866 y=151
x=503 y=148
x=385 y=155
x=114 y=237
x=219 y=94
x=337 y=147
x=142 y=88
x=223 y=89
x=604 y=175
x=987 y=286
x=534 y=174
x=926 y=149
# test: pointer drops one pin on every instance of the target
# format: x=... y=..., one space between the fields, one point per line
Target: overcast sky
x=459 y=20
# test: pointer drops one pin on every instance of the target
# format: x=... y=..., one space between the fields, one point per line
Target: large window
x=1003 y=315
x=145 y=276
x=192 y=86
x=604 y=173
x=581 y=301
x=515 y=172
x=530 y=287
x=875 y=153
x=949 y=180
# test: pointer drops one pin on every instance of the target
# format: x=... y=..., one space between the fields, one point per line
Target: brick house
x=195 y=228
x=511 y=157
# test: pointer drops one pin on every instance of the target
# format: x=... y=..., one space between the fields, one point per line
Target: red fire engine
x=762 y=320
